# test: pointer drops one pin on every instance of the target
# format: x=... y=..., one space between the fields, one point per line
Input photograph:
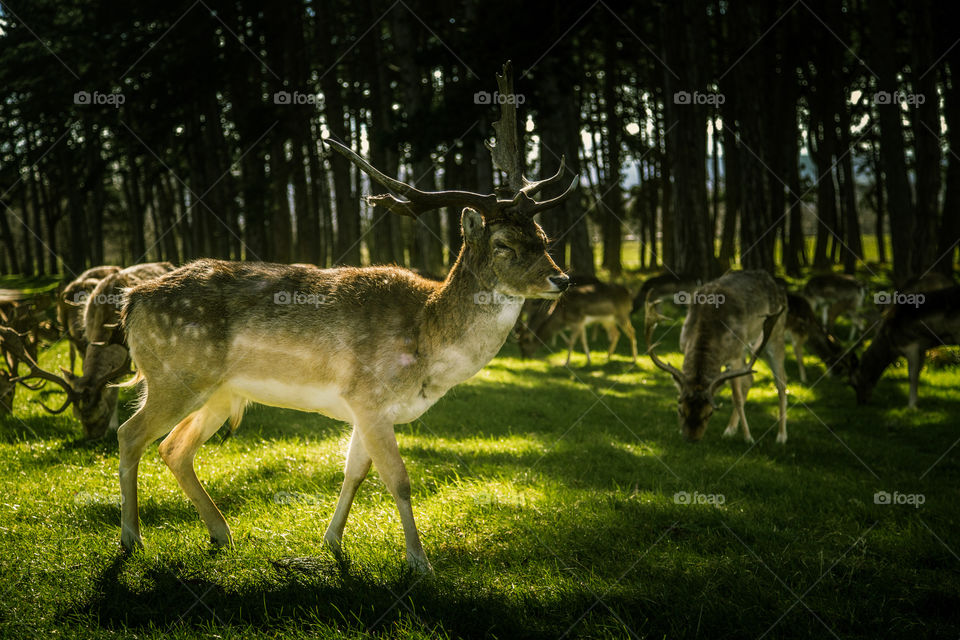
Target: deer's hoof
x=729 y=432
x=420 y=565
x=781 y=438
x=131 y=543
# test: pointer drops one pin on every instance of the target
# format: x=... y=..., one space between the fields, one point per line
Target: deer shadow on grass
x=319 y=590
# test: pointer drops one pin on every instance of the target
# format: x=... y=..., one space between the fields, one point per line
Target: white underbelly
x=318 y=398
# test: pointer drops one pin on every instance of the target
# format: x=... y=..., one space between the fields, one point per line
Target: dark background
x=200 y=159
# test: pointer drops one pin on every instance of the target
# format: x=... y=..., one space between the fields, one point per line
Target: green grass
x=545 y=500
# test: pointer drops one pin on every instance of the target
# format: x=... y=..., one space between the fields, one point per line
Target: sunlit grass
x=546 y=499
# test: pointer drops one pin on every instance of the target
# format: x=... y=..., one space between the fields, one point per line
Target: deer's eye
x=504 y=248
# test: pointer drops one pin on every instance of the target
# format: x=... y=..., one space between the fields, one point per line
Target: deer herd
x=378 y=346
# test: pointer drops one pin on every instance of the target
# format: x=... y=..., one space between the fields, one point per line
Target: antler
x=506 y=156
x=651 y=312
x=13 y=343
x=768 y=324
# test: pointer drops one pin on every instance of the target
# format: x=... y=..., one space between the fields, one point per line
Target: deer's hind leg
x=163 y=409
x=775 y=354
x=179 y=449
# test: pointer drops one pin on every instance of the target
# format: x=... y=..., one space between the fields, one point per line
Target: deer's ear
x=471 y=224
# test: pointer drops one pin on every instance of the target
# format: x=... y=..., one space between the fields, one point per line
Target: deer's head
x=92 y=400
x=504 y=246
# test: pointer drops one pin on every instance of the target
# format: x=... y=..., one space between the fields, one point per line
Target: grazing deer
x=374 y=346
x=833 y=294
x=742 y=311
x=804 y=327
x=106 y=357
x=27 y=316
x=909 y=329
x=72 y=303
x=598 y=302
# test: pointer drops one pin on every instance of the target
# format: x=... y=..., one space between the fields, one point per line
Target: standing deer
x=105 y=358
x=72 y=303
x=598 y=302
x=804 y=327
x=909 y=329
x=742 y=311
x=834 y=294
x=374 y=346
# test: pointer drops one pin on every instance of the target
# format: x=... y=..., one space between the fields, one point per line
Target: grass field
x=550 y=501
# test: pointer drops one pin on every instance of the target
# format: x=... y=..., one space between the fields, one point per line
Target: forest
x=776 y=134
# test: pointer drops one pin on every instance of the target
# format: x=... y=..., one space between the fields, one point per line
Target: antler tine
x=417 y=201
x=506 y=151
x=651 y=312
x=13 y=342
x=532 y=187
x=529 y=206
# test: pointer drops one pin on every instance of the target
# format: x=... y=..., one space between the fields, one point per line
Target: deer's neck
x=468 y=318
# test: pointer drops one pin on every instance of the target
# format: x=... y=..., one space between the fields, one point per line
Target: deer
x=742 y=311
x=804 y=327
x=71 y=304
x=597 y=302
x=371 y=346
x=106 y=357
x=835 y=294
x=910 y=328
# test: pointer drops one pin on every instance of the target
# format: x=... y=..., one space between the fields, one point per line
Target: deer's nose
x=561 y=282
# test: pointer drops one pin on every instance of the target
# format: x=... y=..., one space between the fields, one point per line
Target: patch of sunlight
x=471 y=446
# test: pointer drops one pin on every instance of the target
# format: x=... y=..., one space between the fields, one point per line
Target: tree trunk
x=686 y=139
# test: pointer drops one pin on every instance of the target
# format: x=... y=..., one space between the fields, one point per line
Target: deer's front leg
x=355 y=470
x=381 y=444
x=914 y=355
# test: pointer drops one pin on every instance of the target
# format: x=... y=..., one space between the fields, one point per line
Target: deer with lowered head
x=594 y=302
x=835 y=294
x=740 y=312
x=72 y=303
x=909 y=328
x=106 y=357
x=804 y=328
x=373 y=346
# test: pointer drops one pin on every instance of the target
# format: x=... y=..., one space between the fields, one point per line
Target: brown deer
x=597 y=302
x=105 y=358
x=742 y=311
x=374 y=346
x=909 y=329
x=835 y=294
x=804 y=328
x=71 y=304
